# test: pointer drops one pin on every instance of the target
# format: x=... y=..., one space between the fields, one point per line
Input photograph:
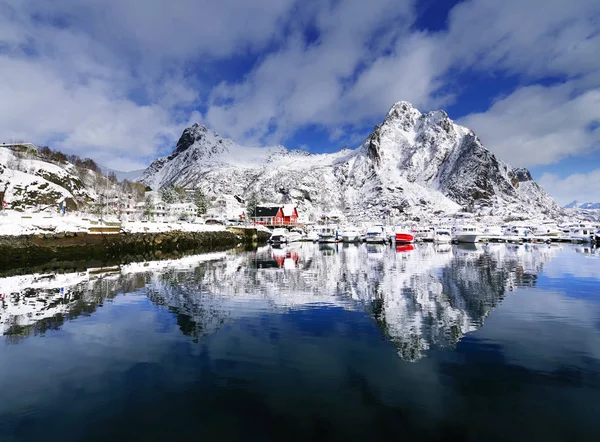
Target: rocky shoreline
x=50 y=249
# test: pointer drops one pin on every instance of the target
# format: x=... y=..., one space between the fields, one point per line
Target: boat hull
x=376 y=239
x=468 y=238
x=351 y=238
x=327 y=238
x=404 y=238
x=581 y=238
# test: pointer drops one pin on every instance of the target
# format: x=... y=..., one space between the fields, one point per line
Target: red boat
x=404 y=237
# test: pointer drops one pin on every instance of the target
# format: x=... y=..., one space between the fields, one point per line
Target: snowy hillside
x=27 y=182
x=412 y=163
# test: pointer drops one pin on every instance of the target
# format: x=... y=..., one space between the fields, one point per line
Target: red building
x=286 y=215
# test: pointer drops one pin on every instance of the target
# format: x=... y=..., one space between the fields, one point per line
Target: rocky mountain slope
x=28 y=182
x=412 y=163
x=31 y=181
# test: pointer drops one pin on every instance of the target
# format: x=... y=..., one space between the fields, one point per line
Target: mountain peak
x=403 y=113
x=196 y=134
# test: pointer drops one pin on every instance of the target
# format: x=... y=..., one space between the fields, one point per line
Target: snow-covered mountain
x=411 y=163
x=578 y=205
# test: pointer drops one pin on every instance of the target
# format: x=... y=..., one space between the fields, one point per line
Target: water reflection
x=419 y=296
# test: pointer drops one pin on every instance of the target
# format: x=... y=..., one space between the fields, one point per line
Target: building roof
x=288 y=209
x=264 y=211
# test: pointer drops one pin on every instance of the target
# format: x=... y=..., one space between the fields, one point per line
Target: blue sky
x=118 y=80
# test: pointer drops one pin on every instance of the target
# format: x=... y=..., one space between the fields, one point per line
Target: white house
x=180 y=210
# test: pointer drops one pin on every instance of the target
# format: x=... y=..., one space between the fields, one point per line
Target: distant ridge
x=578 y=205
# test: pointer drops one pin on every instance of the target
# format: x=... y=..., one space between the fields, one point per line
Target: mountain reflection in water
x=423 y=296
x=308 y=342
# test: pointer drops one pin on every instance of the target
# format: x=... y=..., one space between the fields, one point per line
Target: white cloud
x=581 y=186
x=539 y=125
x=156 y=30
x=537 y=38
x=86 y=119
x=116 y=79
x=109 y=79
x=300 y=84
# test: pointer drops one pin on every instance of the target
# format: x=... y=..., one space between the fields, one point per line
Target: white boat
x=547 y=229
x=467 y=233
x=279 y=236
x=313 y=236
x=376 y=234
x=425 y=234
x=328 y=233
x=350 y=235
x=518 y=233
x=493 y=233
x=295 y=235
x=582 y=233
x=442 y=236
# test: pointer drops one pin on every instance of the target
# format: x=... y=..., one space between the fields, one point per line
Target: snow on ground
x=14 y=223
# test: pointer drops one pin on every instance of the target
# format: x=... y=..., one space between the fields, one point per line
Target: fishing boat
x=279 y=236
x=425 y=234
x=350 y=235
x=403 y=235
x=467 y=233
x=582 y=233
x=376 y=234
x=295 y=235
x=442 y=236
x=328 y=233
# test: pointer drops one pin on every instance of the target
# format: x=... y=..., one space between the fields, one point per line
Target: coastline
x=66 y=249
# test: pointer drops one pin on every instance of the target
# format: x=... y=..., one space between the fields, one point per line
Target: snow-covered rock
x=32 y=183
x=412 y=163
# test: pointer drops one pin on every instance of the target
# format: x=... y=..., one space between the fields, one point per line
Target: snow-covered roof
x=288 y=209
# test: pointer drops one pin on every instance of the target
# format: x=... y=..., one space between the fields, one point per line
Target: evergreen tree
x=200 y=201
x=251 y=204
x=168 y=195
x=148 y=206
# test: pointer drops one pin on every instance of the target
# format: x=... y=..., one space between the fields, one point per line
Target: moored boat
x=467 y=233
x=328 y=233
x=350 y=235
x=441 y=236
x=376 y=234
x=582 y=233
x=425 y=234
x=279 y=236
x=295 y=235
x=403 y=235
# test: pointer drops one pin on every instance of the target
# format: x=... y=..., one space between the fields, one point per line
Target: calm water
x=497 y=342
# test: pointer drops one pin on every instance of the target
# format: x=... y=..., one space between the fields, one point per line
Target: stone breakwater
x=34 y=250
